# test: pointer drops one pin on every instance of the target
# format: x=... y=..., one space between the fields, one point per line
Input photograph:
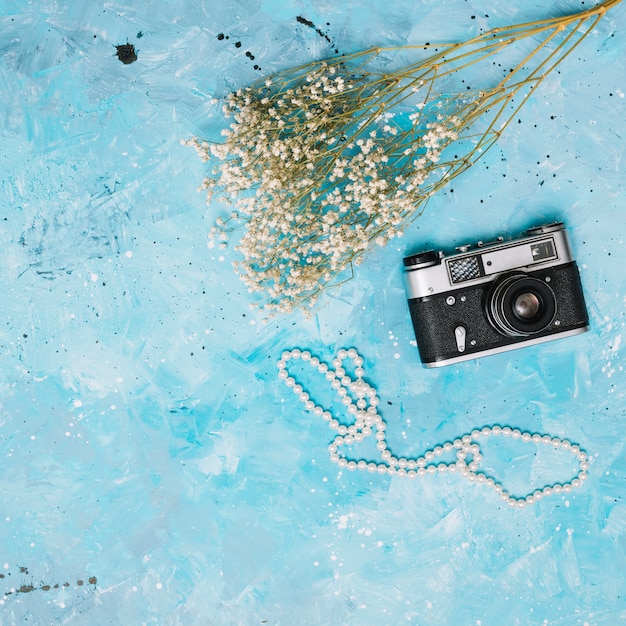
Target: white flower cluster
x=319 y=168
x=325 y=161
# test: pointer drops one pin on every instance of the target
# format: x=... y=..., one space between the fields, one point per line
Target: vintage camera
x=495 y=296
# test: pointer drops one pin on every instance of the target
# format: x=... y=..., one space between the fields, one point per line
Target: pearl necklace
x=366 y=421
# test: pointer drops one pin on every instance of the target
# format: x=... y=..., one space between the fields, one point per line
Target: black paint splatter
x=308 y=23
x=303 y=20
x=249 y=55
x=30 y=588
x=126 y=53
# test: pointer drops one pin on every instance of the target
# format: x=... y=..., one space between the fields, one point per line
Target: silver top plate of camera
x=440 y=273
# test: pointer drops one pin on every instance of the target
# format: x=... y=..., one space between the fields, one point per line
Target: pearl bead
x=317 y=411
x=295 y=353
x=351 y=353
x=305 y=355
x=342 y=354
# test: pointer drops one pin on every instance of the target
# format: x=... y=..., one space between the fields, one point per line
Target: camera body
x=494 y=297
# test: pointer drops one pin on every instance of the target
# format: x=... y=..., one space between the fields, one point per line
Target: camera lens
x=520 y=305
x=527 y=306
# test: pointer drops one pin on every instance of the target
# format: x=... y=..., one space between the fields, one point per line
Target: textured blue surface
x=143 y=435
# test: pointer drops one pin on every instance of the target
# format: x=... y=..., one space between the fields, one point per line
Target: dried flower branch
x=324 y=160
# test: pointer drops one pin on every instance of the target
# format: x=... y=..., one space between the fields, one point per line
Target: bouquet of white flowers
x=323 y=161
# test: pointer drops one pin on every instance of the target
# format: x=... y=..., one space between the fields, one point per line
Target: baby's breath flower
x=326 y=161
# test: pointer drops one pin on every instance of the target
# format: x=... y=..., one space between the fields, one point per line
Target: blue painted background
x=145 y=439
